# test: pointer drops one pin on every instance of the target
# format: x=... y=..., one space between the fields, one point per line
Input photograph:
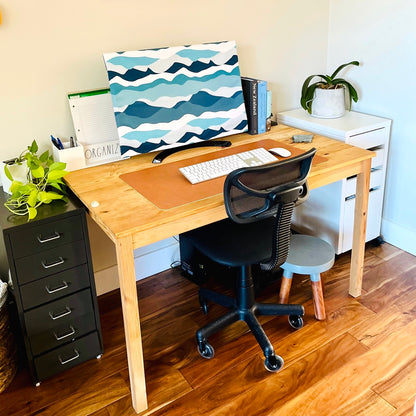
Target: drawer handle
x=63 y=362
x=58 y=315
x=56 y=263
x=55 y=236
x=68 y=334
x=58 y=288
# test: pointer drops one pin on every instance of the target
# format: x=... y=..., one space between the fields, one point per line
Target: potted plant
x=43 y=182
x=326 y=98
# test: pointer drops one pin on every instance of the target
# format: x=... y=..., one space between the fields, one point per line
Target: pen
x=54 y=142
x=71 y=142
x=61 y=146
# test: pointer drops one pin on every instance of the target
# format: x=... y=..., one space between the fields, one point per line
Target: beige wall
x=50 y=48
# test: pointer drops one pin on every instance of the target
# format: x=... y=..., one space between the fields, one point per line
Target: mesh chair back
x=255 y=193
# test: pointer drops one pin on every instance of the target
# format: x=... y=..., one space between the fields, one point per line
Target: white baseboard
x=399 y=236
x=148 y=261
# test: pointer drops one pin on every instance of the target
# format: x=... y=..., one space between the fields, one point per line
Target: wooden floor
x=360 y=361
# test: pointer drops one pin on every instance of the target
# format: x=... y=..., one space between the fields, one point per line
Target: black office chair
x=259 y=202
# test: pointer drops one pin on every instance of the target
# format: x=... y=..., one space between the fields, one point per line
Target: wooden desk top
x=122 y=211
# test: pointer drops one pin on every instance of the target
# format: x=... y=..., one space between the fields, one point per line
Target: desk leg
x=128 y=292
x=360 y=225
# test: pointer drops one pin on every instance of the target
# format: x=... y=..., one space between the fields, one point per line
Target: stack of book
x=257 y=102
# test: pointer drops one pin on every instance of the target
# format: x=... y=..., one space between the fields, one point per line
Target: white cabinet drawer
x=378 y=159
x=376 y=181
x=369 y=139
x=375 y=204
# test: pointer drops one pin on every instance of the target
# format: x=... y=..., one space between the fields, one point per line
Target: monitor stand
x=165 y=153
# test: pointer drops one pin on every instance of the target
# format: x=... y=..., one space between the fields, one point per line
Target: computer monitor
x=175 y=96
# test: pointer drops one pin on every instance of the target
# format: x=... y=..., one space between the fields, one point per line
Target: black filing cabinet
x=48 y=262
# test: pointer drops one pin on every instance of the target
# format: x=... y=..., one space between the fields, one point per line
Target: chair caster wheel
x=204 y=305
x=206 y=350
x=295 y=321
x=273 y=363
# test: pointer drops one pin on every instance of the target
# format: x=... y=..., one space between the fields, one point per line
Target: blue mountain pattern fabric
x=177 y=95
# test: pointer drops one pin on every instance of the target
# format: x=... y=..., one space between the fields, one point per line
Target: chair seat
x=309 y=255
x=232 y=244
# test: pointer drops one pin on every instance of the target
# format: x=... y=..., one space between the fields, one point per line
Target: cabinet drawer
x=49 y=262
x=62 y=334
x=60 y=312
x=67 y=356
x=378 y=159
x=369 y=139
x=46 y=236
x=376 y=181
x=375 y=205
x=55 y=286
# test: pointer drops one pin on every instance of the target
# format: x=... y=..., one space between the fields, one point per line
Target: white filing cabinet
x=329 y=211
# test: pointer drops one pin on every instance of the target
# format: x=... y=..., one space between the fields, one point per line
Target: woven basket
x=8 y=351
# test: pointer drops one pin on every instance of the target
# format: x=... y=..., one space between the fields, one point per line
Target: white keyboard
x=215 y=168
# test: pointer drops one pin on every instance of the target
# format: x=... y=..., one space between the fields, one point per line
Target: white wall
x=50 y=48
x=381 y=34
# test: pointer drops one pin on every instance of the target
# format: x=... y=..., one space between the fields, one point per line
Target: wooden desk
x=131 y=221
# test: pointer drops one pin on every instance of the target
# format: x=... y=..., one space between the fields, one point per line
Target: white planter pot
x=328 y=103
x=18 y=172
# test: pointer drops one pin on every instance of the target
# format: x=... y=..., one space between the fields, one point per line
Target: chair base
x=244 y=308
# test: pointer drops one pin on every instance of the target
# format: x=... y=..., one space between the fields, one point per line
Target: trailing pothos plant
x=44 y=182
x=327 y=82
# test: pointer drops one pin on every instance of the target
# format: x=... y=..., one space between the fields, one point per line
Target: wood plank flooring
x=360 y=361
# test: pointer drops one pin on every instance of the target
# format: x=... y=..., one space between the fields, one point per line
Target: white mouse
x=280 y=151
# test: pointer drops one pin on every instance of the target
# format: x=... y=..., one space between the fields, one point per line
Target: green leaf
x=341 y=67
x=32 y=212
x=308 y=97
x=7 y=172
x=307 y=94
x=33 y=148
x=306 y=84
x=352 y=93
x=44 y=156
x=48 y=196
x=15 y=186
x=57 y=166
x=56 y=174
x=327 y=79
x=37 y=172
x=56 y=185
x=33 y=197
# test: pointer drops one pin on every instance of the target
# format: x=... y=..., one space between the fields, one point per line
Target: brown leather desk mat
x=166 y=187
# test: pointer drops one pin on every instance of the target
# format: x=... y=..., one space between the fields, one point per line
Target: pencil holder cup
x=72 y=156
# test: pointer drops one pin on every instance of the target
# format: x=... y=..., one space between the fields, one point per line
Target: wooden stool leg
x=285 y=287
x=318 y=297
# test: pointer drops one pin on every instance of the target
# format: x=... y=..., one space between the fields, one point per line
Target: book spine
x=249 y=86
x=262 y=106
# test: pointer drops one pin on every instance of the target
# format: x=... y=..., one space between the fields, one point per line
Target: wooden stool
x=307 y=255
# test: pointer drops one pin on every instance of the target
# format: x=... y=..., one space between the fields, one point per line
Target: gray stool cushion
x=309 y=255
